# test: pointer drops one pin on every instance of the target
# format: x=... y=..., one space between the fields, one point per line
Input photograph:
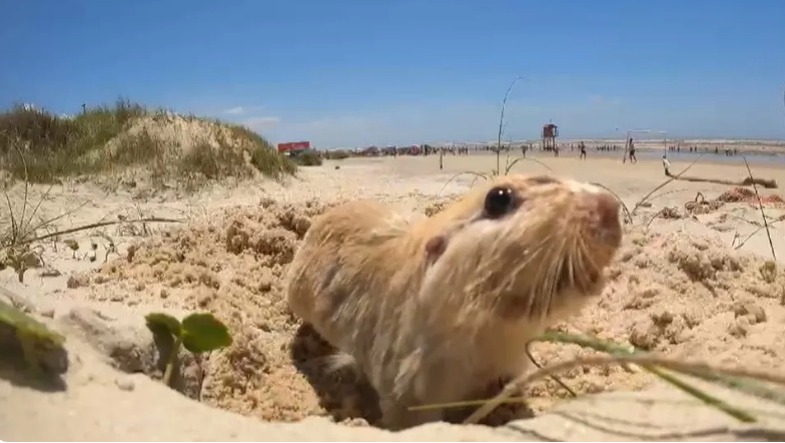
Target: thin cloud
x=241 y=110
x=262 y=123
x=237 y=110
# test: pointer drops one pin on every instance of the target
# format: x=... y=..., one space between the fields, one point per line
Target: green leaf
x=159 y=323
x=42 y=347
x=204 y=333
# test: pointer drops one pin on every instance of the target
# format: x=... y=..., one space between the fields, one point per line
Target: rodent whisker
x=531 y=255
x=590 y=270
x=571 y=263
x=553 y=282
x=541 y=295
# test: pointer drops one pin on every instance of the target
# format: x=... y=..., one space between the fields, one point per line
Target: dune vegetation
x=43 y=147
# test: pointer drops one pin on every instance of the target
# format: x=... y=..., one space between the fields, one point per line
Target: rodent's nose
x=608 y=224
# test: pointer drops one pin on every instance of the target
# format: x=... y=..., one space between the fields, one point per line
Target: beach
x=696 y=278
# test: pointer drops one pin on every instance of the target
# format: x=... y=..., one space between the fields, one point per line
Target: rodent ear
x=435 y=247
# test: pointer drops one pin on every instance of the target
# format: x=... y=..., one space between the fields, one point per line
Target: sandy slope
x=678 y=288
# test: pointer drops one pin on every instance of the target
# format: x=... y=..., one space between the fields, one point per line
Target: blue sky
x=358 y=72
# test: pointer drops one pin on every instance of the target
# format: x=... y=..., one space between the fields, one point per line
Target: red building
x=294 y=147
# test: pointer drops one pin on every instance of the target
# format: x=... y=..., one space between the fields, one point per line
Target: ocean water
x=752 y=158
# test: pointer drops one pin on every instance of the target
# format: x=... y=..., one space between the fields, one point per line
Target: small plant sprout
x=20 y=259
x=73 y=245
x=110 y=247
x=91 y=255
x=198 y=333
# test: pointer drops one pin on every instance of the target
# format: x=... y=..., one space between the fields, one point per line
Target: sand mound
x=682 y=296
x=183 y=134
x=166 y=147
x=746 y=195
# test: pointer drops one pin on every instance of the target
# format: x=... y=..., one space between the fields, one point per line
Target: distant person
x=666 y=165
x=582 y=147
x=633 y=158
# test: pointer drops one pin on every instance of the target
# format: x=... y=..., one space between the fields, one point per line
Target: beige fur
x=434 y=311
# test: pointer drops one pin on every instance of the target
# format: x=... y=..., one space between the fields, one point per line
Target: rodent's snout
x=606 y=218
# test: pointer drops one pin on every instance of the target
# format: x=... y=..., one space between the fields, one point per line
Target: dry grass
x=737 y=378
x=742 y=379
x=308 y=158
x=760 y=207
x=337 y=154
x=18 y=249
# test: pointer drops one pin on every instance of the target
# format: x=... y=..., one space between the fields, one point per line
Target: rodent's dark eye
x=498 y=202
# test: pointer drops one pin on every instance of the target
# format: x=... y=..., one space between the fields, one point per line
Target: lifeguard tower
x=549 y=134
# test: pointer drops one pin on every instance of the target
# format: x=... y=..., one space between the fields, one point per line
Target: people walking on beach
x=666 y=165
x=582 y=146
x=633 y=158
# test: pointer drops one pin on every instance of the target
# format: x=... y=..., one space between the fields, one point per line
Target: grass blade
x=620 y=354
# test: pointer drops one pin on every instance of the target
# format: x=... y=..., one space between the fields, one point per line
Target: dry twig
x=663 y=184
x=760 y=207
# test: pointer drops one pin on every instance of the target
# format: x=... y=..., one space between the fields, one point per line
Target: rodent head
x=523 y=247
